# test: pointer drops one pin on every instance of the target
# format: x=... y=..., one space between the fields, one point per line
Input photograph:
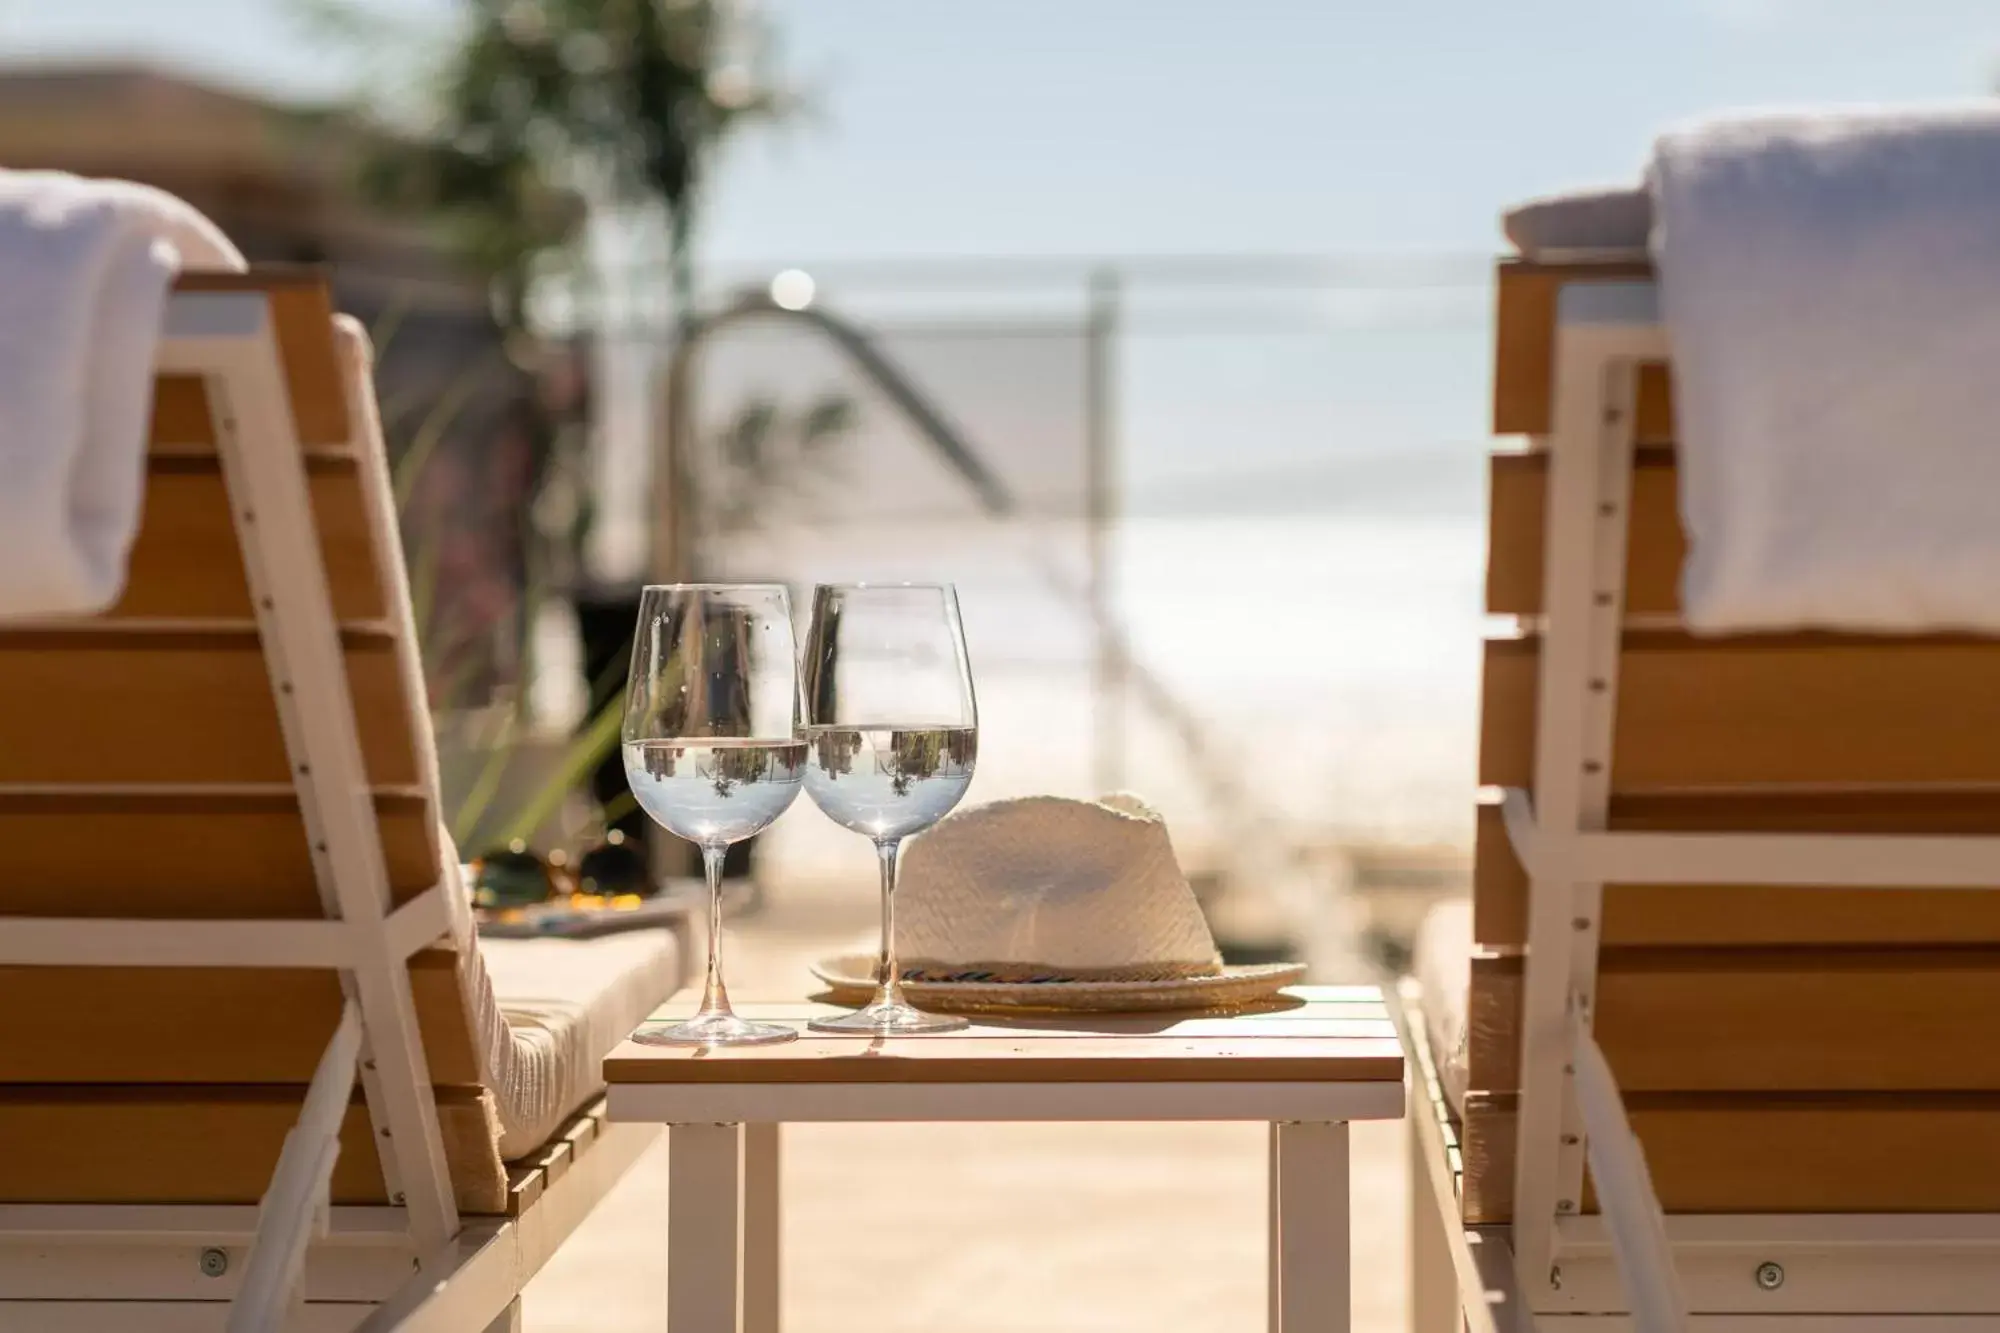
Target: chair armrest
x=294 y=1209
x=1632 y=1213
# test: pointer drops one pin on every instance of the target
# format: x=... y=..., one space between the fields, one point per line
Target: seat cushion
x=1443 y=967
x=1602 y=223
x=547 y=1012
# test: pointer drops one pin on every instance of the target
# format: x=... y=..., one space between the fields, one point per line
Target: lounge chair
x=1731 y=873
x=225 y=899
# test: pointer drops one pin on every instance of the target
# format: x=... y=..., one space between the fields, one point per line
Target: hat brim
x=851 y=979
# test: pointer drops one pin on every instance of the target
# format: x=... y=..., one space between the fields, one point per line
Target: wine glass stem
x=714 y=995
x=889 y=983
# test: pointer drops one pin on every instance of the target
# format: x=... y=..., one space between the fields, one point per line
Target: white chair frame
x=415 y=1266
x=1552 y=1269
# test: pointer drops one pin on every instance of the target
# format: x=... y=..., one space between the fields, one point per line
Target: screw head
x=1770 y=1276
x=214 y=1263
x=1565 y=1205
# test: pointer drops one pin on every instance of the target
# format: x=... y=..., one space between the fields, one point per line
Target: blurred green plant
x=524 y=109
x=498 y=735
x=510 y=127
x=509 y=124
x=765 y=451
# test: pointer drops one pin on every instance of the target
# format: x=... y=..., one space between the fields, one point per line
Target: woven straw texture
x=1046 y=889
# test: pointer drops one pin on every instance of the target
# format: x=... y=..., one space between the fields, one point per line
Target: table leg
x=704 y=1239
x=1314 y=1295
x=762 y=1222
x=1274 y=1316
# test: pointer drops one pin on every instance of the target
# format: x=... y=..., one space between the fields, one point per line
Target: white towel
x=1830 y=286
x=85 y=268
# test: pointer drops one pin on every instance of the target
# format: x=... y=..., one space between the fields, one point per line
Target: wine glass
x=892 y=734
x=712 y=750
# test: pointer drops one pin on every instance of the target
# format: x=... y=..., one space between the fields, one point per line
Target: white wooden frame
x=413 y=1267
x=1838 y=1272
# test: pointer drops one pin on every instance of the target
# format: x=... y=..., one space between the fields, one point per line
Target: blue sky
x=1133 y=126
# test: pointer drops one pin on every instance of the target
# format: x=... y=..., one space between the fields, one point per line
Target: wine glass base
x=724 y=1029
x=886 y=1019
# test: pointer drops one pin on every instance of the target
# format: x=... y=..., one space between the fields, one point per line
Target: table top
x=1310 y=1034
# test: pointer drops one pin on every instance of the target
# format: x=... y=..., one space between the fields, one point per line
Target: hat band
x=1029 y=974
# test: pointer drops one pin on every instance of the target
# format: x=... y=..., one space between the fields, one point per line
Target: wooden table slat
x=1326 y=1034
x=1053 y=1028
x=816 y=1059
x=1296 y=1004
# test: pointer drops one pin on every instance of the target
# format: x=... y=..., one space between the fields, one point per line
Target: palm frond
x=390 y=322
x=424 y=440
x=514 y=114
x=619 y=806
x=486 y=786
x=597 y=740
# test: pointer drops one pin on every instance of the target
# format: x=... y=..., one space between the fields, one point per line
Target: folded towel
x=1830 y=286
x=85 y=267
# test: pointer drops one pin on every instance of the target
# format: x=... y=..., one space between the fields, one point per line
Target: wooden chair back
x=144 y=774
x=1781 y=1049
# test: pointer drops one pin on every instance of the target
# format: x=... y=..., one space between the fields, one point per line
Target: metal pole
x=1100 y=510
x=674 y=537
x=675 y=547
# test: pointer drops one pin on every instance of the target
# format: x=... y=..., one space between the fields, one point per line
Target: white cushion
x=1604 y=222
x=1443 y=967
x=545 y=1014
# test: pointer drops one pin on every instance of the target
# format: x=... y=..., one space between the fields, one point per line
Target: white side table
x=1324 y=1057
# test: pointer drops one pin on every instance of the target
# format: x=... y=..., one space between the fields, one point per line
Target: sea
x=1290 y=590
x=1303 y=678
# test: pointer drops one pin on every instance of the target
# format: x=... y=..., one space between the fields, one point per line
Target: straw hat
x=1054 y=904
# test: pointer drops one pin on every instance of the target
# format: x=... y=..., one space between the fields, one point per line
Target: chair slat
x=1907 y=1153
x=1765 y=1020
x=1524 y=366
x=177 y=707
x=191 y=855
x=210 y=1145
x=185 y=562
x=1517 y=535
x=212 y=1026
x=302 y=320
x=1800 y=710
x=182 y=423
